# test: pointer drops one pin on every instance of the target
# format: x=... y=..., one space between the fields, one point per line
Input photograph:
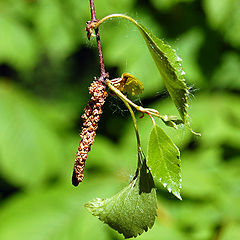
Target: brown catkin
x=90 y=119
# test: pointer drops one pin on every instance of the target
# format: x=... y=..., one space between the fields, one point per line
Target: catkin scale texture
x=90 y=117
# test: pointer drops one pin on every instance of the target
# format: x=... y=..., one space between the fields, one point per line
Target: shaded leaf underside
x=131 y=211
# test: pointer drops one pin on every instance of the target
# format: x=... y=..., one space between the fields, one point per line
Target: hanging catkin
x=90 y=119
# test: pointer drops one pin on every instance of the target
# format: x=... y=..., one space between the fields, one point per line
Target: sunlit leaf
x=169 y=66
x=164 y=160
x=131 y=211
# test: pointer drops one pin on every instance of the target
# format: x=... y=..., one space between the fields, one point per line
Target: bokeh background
x=46 y=66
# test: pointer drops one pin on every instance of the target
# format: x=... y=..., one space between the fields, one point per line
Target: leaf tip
x=177 y=194
x=94 y=206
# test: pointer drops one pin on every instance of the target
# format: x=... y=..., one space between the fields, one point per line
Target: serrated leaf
x=169 y=66
x=132 y=85
x=164 y=160
x=131 y=211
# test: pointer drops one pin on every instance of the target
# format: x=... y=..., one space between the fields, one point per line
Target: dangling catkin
x=90 y=119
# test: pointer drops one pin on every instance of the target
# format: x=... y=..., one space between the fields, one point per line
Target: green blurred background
x=46 y=65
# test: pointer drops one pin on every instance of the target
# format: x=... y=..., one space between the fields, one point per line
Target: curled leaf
x=132 y=85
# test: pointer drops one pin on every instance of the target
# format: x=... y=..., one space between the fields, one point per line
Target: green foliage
x=51 y=214
x=17 y=46
x=228 y=74
x=164 y=160
x=27 y=139
x=224 y=16
x=169 y=66
x=133 y=210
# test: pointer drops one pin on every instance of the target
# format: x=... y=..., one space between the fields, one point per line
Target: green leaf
x=132 y=210
x=132 y=85
x=169 y=66
x=164 y=160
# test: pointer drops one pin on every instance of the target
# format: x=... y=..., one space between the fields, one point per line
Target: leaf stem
x=117 y=15
x=149 y=111
x=126 y=102
x=153 y=121
x=135 y=125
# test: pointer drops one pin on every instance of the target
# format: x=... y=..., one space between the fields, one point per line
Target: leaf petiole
x=171 y=121
x=127 y=102
x=117 y=15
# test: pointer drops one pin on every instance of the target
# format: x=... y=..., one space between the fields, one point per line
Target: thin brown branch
x=93 y=13
x=104 y=75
